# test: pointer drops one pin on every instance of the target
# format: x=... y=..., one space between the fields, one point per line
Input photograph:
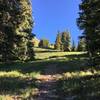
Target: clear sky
x=53 y=15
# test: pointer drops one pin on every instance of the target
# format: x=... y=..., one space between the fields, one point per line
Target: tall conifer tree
x=65 y=39
x=73 y=46
x=16 y=25
x=89 y=22
x=58 y=42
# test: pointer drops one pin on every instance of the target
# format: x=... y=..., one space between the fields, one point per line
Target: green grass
x=82 y=88
x=52 y=54
x=19 y=79
x=78 y=79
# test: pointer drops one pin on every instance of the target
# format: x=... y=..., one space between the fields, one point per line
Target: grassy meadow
x=42 y=54
x=78 y=81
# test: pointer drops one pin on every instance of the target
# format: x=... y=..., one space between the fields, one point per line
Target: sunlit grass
x=76 y=77
x=18 y=81
x=82 y=88
x=41 y=53
x=7 y=97
x=33 y=74
x=80 y=74
x=12 y=74
x=49 y=55
x=17 y=84
x=79 y=81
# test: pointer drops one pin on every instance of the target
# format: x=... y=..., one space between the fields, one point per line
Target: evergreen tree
x=16 y=25
x=65 y=39
x=58 y=42
x=89 y=22
x=31 y=47
x=44 y=43
x=73 y=47
x=81 y=45
x=1 y=43
x=8 y=10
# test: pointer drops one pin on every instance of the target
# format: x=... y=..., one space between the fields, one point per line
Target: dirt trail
x=47 y=84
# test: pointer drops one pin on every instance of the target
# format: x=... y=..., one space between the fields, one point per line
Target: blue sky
x=53 y=15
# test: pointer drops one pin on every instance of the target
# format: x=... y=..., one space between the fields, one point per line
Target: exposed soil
x=47 y=83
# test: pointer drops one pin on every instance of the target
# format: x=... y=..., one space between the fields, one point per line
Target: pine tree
x=7 y=27
x=1 y=43
x=73 y=47
x=81 y=45
x=65 y=39
x=58 y=42
x=16 y=25
x=89 y=22
x=24 y=30
x=30 y=47
x=44 y=43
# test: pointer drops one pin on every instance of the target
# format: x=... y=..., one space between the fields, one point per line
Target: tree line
x=63 y=42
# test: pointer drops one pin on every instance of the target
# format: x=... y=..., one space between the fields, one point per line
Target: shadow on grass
x=15 y=86
x=23 y=67
x=46 y=51
x=72 y=86
x=82 y=88
x=73 y=63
